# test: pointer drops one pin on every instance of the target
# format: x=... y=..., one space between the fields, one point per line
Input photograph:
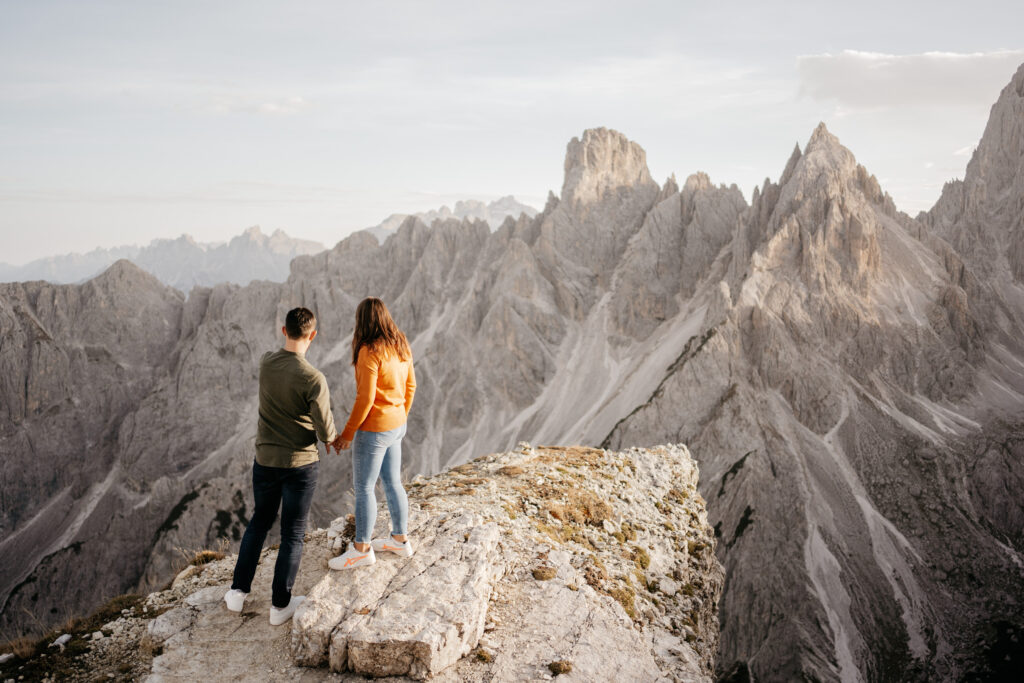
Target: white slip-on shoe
x=352 y=558
x=279 y=616
x=390 y=545
x=234 y=599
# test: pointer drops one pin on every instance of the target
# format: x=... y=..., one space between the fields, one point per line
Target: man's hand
x=338 y=444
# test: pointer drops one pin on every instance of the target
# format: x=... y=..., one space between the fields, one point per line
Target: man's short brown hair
x=299 y=323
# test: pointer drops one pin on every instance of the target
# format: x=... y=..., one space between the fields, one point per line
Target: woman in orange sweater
x=385 y=384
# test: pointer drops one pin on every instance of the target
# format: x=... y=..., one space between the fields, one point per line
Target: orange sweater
x=385 y=385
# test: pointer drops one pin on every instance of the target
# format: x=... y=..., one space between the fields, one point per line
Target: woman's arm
x=366 y=388
x=410 y=388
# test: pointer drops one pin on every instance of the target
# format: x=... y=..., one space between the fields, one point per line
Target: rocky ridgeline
x=540 y=562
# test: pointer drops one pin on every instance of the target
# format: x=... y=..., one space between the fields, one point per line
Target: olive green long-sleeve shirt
x=295 y=411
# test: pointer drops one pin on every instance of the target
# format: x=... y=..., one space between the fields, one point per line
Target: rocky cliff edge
x=579 y=563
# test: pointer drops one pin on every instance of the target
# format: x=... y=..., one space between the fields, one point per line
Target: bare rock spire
x=603 y=160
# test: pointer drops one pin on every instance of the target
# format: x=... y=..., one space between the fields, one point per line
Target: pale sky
x=121 y=122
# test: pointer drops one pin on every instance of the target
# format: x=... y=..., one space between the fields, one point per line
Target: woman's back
x=385 y=385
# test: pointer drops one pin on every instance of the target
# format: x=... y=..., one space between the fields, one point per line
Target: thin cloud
x=874 y=80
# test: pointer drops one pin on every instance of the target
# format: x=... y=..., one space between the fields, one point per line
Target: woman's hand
x=339 y=445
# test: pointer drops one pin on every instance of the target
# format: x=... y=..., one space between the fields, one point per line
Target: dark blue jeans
x=291 y=489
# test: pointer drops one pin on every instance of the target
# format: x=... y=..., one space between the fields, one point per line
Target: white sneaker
x=279 y=616
x=234 y=599
x=390 y=545
x=352 y=558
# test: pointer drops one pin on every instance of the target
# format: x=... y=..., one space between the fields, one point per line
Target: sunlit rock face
x=850 y=380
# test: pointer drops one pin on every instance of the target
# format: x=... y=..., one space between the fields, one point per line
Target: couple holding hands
x=295 y=413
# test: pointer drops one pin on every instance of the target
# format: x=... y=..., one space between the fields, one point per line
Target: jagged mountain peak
x=670 y=187
x=996 y=161
x=697 y=181
x=975 y=215
x=602 y=160
x=819 y=221
x=823 y=154
x=126 y=272
x=822 y=137
x=787 y=172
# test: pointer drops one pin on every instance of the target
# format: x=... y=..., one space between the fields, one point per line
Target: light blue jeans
x=378 y=454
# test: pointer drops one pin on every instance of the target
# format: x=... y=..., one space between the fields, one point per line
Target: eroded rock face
x=820 y=389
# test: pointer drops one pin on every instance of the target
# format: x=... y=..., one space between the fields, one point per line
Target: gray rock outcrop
x=599 y=562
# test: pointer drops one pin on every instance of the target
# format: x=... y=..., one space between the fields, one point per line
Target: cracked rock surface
x=523 y=560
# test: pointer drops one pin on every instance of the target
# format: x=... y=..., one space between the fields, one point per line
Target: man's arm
x=320 y=410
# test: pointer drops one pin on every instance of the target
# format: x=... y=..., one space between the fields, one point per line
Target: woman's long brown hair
x=376 y=330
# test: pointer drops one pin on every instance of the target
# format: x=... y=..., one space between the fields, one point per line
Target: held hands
x=339 y=445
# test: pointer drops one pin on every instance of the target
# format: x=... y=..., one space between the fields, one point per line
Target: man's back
x=294 y=412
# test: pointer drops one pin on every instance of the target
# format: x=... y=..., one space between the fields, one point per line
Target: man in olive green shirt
x=294 y=413
x=295 y=410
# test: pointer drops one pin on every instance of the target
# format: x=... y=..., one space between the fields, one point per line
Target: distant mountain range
x=494 y=214
x=182 y=263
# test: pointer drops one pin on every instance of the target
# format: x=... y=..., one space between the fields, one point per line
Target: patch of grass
x=483 y=655
x=577 y=536
x=22 y=648
x=62 y=664
x=626 y=597
x=544 y=573
x=595 y=573
x=641 y=557
x=202 y=557
x=562 y=666
x=580 y=507
x=559 y=534
x=510 y=470
x=676 y=496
